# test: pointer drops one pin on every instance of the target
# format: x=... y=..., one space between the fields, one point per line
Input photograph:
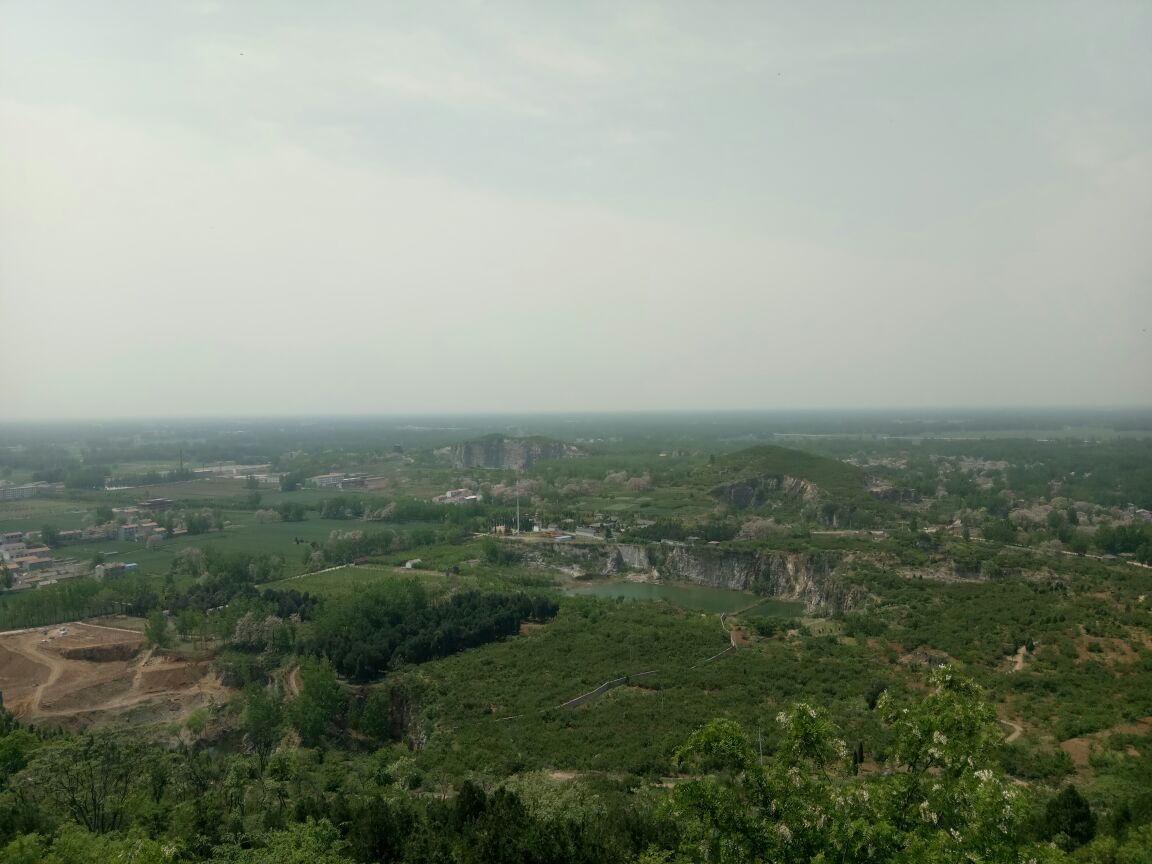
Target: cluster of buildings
x=259 y=473
x=19 y=556
x=10 y=492
x=338 y=480
x=112 y=569
x=31 y=565
x=131 y=522
x=140 y=531
x=24 y=555
x=238 y=472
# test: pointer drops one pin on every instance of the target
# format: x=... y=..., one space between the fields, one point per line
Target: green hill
x=752 y=477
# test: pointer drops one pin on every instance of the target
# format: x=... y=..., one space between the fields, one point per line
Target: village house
x=338 y=480
x=28 y=490
x=457 y=496
x=31 y=563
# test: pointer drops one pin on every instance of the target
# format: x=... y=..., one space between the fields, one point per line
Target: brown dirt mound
x=173 y=676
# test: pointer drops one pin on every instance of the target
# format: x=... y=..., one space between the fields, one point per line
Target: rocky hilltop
x=499 y=451
x=765 y=474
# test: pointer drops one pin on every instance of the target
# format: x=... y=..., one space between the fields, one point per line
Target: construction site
x=78 y=674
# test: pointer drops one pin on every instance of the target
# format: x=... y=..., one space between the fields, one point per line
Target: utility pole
x=517 y=514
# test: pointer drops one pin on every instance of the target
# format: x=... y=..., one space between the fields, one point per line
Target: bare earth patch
x=1110 y=650
x=1080 y=749
x=77 y=675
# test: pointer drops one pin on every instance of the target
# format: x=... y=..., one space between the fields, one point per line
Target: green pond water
x=689 y=597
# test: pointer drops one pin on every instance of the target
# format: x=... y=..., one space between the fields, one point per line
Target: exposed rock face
x=758 y=491
x=496 y=451
x=633 y=557
x=805 y=576
x=809 y=577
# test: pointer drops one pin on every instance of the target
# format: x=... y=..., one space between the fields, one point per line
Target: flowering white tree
x=936 y=800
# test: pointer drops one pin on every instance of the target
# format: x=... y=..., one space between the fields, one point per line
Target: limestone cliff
x=630 y=556
x=809 y=577
x=498 y=451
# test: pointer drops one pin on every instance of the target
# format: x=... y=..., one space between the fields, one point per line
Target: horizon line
x=561 y=413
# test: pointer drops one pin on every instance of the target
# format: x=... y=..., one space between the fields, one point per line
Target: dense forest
x=397 y=624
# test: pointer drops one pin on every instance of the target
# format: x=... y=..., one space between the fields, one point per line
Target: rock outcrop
x=498 y=451
x=810 y=577
x=628 y=556
x=758 y=491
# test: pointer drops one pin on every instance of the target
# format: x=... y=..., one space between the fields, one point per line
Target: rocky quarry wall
x=811 y=577
x=508 y=453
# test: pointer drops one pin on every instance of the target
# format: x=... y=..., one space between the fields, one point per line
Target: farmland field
x=32 y=514
x=276 y=538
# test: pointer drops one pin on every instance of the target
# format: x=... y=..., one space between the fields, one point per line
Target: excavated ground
x=76 y=675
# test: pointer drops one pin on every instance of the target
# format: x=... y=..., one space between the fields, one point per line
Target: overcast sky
x=301 y=207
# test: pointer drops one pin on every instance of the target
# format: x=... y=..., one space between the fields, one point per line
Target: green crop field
x=207 y=489
x=32 y=514
x=245 y=535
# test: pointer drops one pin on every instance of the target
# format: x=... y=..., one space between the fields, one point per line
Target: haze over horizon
x=258 y=209
x=794 y=419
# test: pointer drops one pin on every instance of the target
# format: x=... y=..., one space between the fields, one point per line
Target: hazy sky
x=302 y=207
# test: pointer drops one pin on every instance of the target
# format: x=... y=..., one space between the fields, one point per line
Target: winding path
x=55 y=665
